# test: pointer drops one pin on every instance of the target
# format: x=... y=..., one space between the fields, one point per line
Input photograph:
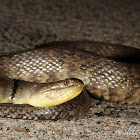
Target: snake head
x=48 y=94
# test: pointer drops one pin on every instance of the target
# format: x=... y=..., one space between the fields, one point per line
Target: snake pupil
x=66 y=82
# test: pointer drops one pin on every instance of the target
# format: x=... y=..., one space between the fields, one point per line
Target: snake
x=53 y=81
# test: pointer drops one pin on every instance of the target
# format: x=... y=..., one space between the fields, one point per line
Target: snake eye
x=66 y=82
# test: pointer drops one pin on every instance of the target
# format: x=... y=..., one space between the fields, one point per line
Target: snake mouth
x=59 y=89
x=50 y=94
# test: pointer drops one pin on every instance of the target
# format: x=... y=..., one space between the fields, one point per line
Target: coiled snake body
x=109 y=72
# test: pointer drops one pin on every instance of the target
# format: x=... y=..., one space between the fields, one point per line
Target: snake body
x=109 y=72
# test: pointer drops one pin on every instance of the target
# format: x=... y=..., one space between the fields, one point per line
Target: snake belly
x=104 y=77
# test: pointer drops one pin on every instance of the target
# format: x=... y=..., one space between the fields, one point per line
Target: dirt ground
x=25 y=24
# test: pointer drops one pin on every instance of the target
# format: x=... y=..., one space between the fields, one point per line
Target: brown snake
x=109 y=72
